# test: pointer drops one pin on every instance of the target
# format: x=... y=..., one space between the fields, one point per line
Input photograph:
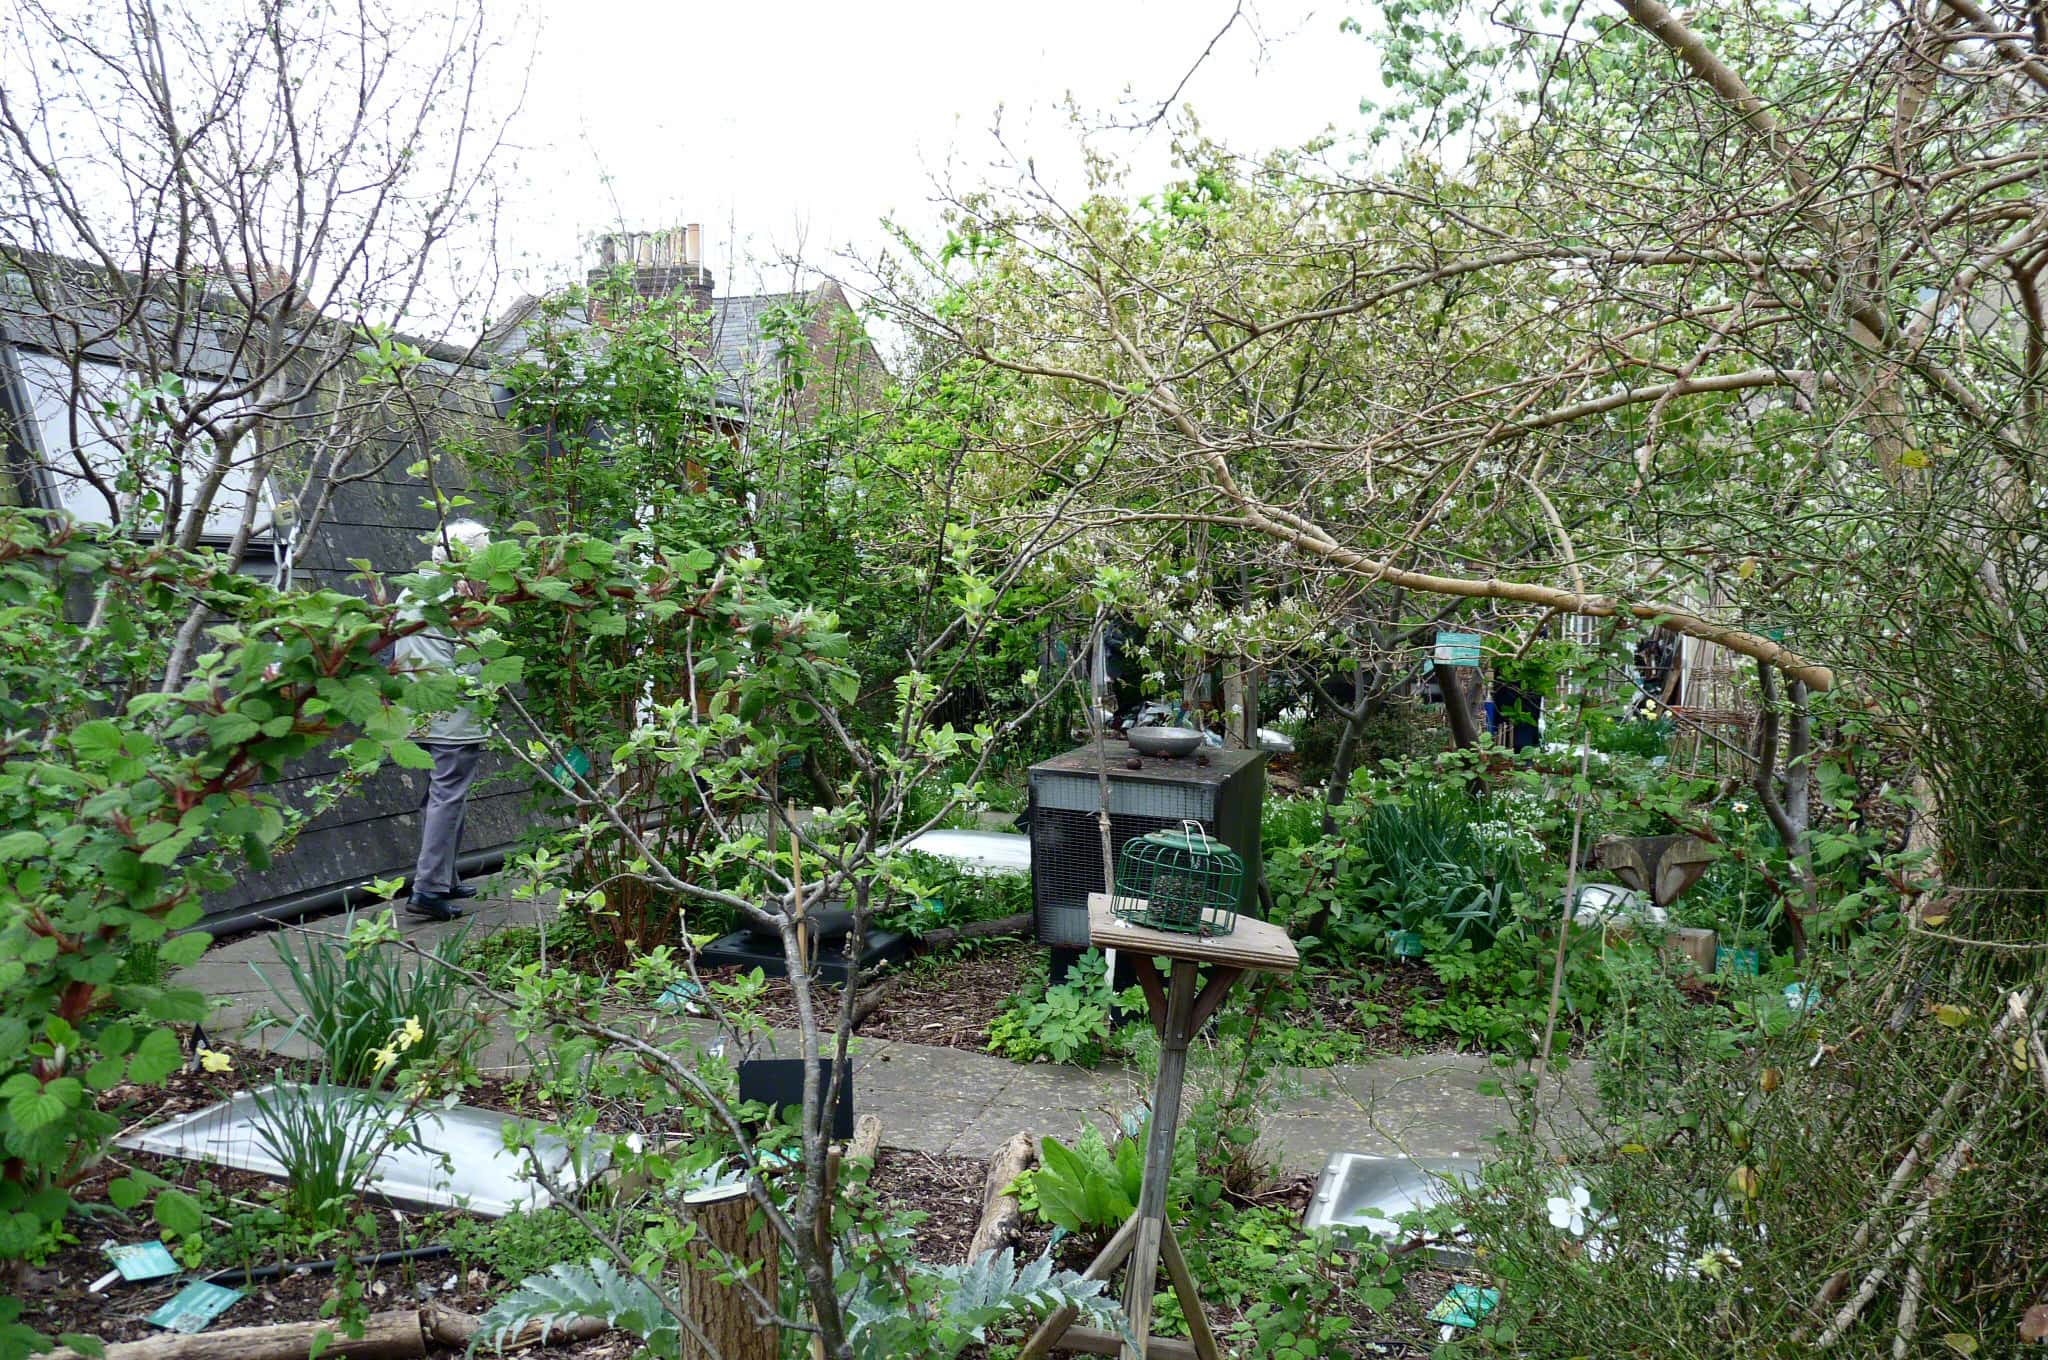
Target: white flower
x=1570 y=1213
x=1716 y=1263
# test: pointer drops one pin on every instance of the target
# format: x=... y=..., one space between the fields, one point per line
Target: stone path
x=963 y=1103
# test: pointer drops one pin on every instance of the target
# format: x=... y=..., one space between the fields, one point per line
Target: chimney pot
x=663 y=263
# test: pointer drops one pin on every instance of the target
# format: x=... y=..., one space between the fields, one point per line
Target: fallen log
x=976 y=930
x=394 y=1335
x=451 y=1327
x=1002 y=1218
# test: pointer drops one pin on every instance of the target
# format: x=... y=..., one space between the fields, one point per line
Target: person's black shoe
x=458 y=893
x=433 y=909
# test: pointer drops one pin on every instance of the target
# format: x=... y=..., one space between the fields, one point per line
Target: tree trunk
x=1790 y=830
x=1254 y=682
x=725 y=1313
x=1457 y=708
x=1233 y=705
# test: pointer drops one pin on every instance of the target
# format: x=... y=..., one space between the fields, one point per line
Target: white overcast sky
x=785 y=125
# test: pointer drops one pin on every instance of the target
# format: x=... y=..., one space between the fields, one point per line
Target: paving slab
x=964 y=1103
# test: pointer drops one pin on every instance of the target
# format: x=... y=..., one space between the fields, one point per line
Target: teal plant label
x=143 y=1260
x=1457 y=649
x=192 y=1307
x=1743 y=962
x=1464 y=1305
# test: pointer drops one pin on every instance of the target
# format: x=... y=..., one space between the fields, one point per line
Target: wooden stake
x=796 y=892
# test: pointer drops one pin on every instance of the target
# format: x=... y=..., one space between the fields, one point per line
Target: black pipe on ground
x=280 y=1269
x=320 y=901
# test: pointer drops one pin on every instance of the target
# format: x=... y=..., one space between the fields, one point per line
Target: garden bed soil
x=945 y=1190
x=945 y=1000
x=948 y=1191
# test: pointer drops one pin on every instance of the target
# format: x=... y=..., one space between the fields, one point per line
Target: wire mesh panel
x=1066 y=865
x=1131 y=797
x=1222 y=793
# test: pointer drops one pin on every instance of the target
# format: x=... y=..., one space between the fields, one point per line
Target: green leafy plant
x=1088 y=1188
x=326 y=1137
x=1067 y=1022
x=1290 y=1288
x=352 y=997
x=522 y=1243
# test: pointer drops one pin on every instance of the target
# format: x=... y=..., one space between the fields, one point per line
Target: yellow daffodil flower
x=213 y=1060
x=411 y=1033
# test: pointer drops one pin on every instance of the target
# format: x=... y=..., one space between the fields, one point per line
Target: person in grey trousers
x=455 y=740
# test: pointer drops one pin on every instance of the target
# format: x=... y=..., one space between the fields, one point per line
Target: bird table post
x=1180 y=1005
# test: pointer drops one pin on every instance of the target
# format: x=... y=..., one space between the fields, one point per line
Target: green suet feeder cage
x=1183 y=881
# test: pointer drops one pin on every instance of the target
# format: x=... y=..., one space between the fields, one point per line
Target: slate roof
x=740 y=348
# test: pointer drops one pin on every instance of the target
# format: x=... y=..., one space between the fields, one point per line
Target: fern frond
x=569 y=1291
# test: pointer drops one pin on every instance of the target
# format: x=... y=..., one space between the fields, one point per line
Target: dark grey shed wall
x=384 y=518
x=372 y=830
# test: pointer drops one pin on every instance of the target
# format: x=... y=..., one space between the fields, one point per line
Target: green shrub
x=124 y=800
x=522 y=1243
x=1291 y=1289
x=1068 y=1023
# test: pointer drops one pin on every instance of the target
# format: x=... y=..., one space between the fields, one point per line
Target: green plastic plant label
x=143 y=1260
x=192 y=1307
x=1464 y=1305
x=1742 y=962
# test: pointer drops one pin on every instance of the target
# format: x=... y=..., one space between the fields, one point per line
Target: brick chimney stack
x=663 y=262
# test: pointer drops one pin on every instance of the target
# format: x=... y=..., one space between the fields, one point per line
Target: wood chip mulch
x=946 y=1000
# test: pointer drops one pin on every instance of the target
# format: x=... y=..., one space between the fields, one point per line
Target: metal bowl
x=1165 y=741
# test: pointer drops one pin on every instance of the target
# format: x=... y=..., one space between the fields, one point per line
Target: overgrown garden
x=1688 y=369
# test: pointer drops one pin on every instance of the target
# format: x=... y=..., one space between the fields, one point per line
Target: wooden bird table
x=1180 y=1004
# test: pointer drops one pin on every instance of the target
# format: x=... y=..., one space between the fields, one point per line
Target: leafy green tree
x=124 y=803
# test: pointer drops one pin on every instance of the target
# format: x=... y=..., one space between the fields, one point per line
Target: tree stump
x=727 y=1315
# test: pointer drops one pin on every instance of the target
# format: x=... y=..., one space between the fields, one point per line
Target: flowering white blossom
x=1569 y=1213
